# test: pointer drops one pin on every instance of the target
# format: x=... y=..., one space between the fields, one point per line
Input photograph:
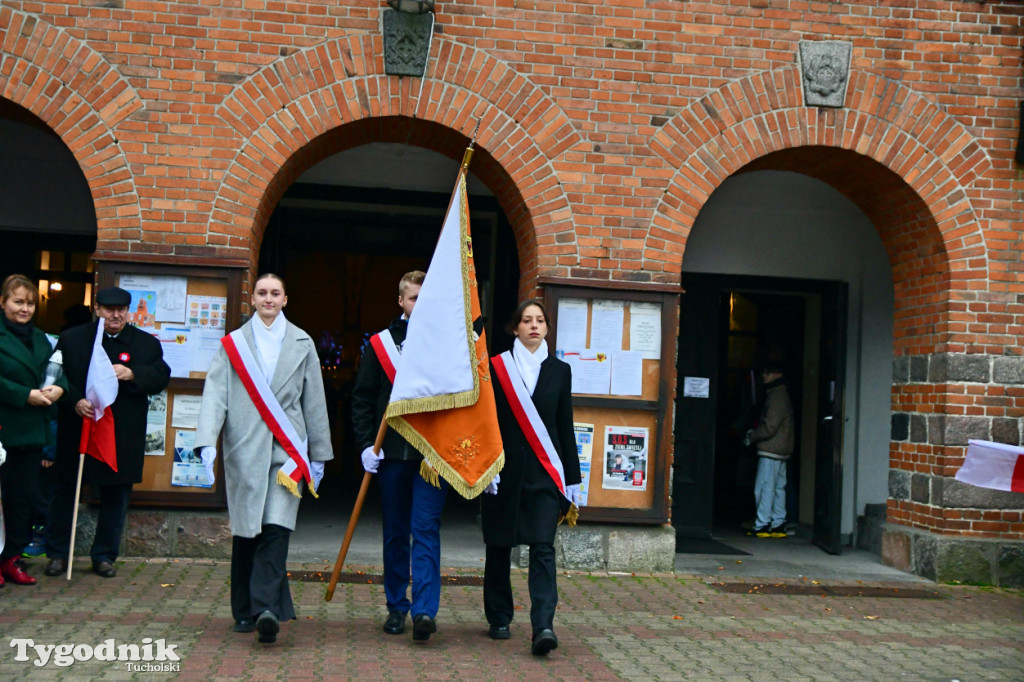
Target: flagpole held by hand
x=74 y=514
x=354 y=519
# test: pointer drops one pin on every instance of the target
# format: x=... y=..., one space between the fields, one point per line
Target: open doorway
x=342 y=245
x=730 y=327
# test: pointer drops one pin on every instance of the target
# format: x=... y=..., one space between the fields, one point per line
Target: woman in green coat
x=24 y=354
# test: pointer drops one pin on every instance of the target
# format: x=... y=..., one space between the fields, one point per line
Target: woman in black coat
x=532 y=497
x=24 y=401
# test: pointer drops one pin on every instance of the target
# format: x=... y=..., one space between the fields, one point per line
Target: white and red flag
x=100 y=390
x=993 y=465
x=442 y=401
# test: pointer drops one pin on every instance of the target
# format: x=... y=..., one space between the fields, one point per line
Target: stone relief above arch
x=883 y=120
x=295 y=100
x=74 y=90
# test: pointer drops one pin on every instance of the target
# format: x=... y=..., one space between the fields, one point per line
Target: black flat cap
x=113 y=296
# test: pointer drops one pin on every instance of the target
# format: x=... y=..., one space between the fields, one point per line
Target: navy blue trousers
x=411 y=508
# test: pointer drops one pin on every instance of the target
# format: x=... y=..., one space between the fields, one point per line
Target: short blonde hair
x=13 y=282
x=408 y=279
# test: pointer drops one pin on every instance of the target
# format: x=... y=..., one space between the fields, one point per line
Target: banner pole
x=354 y=519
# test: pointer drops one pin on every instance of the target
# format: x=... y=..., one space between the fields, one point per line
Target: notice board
x=620 y=345
x=188 y=309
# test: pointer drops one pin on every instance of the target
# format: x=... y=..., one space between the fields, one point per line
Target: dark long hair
x=517 y=315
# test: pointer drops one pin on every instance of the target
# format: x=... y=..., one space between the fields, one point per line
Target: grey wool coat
x=252 y=457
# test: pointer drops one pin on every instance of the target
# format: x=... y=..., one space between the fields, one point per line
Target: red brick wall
x=605 y=126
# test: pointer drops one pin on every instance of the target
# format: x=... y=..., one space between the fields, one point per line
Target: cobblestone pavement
x=610 y=627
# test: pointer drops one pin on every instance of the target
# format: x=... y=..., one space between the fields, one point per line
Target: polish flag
x=100 y=390
x=993 y=465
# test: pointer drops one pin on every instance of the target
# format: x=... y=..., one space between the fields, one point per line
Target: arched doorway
x=47 y=216
x=782 y=267
x=342 y=235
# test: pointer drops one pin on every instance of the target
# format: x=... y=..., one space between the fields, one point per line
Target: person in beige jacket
x=774 y=439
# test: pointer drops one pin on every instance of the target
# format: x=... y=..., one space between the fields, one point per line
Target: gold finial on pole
x=468 y=155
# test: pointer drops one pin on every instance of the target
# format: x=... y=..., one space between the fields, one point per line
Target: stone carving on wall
x=825 y=69
x=406 y=42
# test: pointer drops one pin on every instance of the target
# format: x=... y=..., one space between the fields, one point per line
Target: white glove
x=746 y=438
x=370 y=460
x=3 y=455
x=492 y=487
x=573 y=493
x=209 y=456
x=316 y=470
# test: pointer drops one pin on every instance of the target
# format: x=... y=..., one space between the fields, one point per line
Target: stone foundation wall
x=163 y=533
x=947 y=559
x=592 y=547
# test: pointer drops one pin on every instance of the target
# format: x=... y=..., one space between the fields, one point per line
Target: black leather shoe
x=244 y=625
x=56 y=567
x=543 y=642
x=422 y=627
x=104 y=569
x=499 y=632
x=395 y=624
x=267 y=627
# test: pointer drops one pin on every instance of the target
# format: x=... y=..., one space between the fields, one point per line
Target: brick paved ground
x=611 y=627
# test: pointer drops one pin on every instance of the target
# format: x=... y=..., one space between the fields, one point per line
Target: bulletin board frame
x=156 y=488
x=650 y=410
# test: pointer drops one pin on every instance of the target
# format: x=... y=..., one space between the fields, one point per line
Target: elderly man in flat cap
x=138 y=362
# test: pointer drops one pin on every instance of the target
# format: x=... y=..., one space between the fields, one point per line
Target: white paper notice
x=696 y=387
x=627 y=372
x=177 y=349
x=156 y=423
x=606 y=325
x=185 y=412
x=585 y=450
x=205 y=342
x=188 y=468
x=645 y=329
x=168 y=294
x=591 y=372
x=572 y=324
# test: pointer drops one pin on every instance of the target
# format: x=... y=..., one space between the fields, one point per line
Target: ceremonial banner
x=100 y=390
x=993 y=465
x=442 y=401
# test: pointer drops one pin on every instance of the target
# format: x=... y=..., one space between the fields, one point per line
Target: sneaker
x=757 y=532
x=765 y=533
x=36 y=548
x=778 y=532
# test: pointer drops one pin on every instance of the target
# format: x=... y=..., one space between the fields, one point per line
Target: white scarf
x=528 y=363
x=268 y=342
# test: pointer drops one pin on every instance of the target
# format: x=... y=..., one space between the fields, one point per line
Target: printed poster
x=156 y=424
x=585 y=451
x=188 y=469
x=625 y=458
x=165 y=298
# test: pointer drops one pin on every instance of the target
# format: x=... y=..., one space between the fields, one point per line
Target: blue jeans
x=770 y=492
x=411 y=508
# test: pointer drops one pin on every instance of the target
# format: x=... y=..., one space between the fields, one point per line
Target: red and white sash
x=529 y=420
x=297 y=467
x=387 y=353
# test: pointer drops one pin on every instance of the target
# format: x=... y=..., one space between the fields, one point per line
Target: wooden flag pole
x=354 y=519
x=74 y=515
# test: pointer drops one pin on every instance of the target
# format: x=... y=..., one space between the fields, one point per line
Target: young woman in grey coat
x=263 y=510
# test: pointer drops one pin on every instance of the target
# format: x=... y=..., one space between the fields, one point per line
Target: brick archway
x=334 y=96
x=899 y=157
x=75 y=91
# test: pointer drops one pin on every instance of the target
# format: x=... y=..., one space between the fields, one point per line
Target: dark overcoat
x=140 y=352
x=528 y=504
x=21 y=370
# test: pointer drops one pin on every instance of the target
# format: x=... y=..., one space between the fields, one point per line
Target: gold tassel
x=287 y=482
x=571 y=516
x=312 y=490
x=429 y=474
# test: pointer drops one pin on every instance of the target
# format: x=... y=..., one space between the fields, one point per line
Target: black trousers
x=259 y=578
x=498 y=605
x=109 y=525
x=19 y=487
